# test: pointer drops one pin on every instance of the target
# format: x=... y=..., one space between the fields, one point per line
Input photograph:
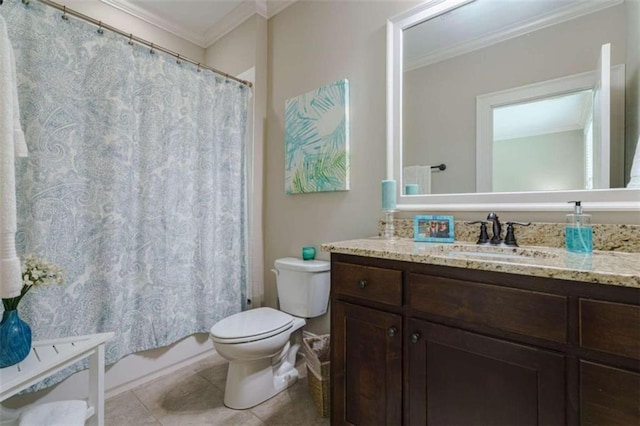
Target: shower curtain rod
x=101 y=25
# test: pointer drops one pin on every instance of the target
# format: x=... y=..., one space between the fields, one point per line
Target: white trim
x=274 y=8
x=395 y=27
x=245 y=10
x=231 y=21
x=596 y=200
x=572 y=11
x=163 y=371
x=156 y=21
x=600 y=200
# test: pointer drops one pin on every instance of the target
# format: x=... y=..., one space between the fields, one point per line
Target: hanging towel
x=12 y=145
x=420 y=175
x=635 y=168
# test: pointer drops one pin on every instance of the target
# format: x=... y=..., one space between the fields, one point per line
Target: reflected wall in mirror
x=446 y=70
x=449 y=60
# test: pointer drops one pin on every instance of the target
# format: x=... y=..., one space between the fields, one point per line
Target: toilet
x=261 y=344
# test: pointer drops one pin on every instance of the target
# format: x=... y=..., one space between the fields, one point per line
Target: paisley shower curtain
x=134 y=185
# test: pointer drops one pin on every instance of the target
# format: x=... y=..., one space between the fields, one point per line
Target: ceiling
x=540 y=117
x=485 y=22
x=201 y=22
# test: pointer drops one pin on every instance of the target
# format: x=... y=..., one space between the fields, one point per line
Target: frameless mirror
x=522 y=104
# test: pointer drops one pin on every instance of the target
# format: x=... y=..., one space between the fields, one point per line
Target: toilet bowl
x=261 y=344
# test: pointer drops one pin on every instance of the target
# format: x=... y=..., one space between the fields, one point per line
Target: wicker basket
x=316 y=351
x=319 y=389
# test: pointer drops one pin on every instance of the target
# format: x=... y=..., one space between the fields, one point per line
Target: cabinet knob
x=392 y=331
x=362 y=283
x=414 y=337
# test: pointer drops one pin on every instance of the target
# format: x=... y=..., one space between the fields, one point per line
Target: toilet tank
x=303 y=286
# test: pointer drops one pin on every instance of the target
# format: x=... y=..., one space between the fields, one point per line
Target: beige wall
x=313 y=43
x=549 y=162
x=236 y=51
x=440 y=99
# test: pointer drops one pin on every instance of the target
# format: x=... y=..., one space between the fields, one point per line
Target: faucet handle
x=483 y=238
x=510 y=238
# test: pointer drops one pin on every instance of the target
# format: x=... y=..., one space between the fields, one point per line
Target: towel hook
x=100 y=30
x=198 y=67
x=130 y=39
x=178 y=61
x=151 y=50
x=64 y=13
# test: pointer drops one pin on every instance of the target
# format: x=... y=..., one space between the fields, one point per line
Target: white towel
x=635 y=168
x=62 y=413
x=420 y=175
x=12 y=145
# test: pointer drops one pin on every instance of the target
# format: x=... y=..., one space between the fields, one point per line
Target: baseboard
x=109 y=393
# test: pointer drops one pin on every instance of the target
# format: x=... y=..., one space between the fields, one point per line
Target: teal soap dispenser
x=578 y=232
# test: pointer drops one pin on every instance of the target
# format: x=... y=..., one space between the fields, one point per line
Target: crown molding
x=571 y=12
x=273 y=8
x=245 y=10
x=233 y=19
x=156 y=21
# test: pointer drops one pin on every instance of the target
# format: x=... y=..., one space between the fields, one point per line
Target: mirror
x=457 y=68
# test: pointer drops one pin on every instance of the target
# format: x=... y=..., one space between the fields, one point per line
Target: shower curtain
x=135 y=185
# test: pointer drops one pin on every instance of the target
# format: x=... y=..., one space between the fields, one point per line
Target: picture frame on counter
x=433 y=229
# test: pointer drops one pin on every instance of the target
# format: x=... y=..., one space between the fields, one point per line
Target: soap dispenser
x=578 y=232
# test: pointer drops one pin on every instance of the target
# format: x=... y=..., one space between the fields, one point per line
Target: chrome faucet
x=497 y=228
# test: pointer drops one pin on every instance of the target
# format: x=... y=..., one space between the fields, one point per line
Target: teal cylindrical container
x=578 y=231
x=389 y=194
x=308 y=253
x=411 y=189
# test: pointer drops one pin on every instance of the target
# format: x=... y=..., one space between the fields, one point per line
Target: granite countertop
x=601 y=267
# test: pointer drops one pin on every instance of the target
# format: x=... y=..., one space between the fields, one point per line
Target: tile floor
x=193 y=396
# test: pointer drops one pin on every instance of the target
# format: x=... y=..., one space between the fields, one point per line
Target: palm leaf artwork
x=317 y=140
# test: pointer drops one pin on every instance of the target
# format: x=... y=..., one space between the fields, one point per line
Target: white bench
x=50 y=356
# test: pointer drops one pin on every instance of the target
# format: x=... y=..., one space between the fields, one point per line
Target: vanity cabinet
x=461 y=378
x=418 y=344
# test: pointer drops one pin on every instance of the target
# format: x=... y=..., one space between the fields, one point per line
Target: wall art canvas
x=317 y=140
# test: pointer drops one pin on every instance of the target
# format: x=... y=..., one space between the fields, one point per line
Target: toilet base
x=250 y=383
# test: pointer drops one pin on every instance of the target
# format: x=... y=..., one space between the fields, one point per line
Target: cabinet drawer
x=610 y=327
x=367 y=282
x=524 y=312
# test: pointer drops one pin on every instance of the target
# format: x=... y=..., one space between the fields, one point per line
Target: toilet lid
x=295 y=264
x=251 y=325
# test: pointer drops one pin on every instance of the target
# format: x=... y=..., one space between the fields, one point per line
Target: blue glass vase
x=15 y=339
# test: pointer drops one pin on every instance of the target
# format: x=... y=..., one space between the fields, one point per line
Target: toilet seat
x=251 y=325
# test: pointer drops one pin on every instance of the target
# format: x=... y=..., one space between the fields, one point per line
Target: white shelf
x=50 y=356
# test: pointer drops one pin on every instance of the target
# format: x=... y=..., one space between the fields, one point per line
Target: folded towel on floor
x=62 y=413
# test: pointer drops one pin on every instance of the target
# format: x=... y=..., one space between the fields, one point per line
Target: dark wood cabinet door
x=608 y=396
x=366 y=366
x=462 y=378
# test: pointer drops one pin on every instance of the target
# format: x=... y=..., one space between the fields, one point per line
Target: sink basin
x=486 y=255
x=491 y=253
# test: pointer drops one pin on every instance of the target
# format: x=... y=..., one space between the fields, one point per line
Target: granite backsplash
x=625 y=238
